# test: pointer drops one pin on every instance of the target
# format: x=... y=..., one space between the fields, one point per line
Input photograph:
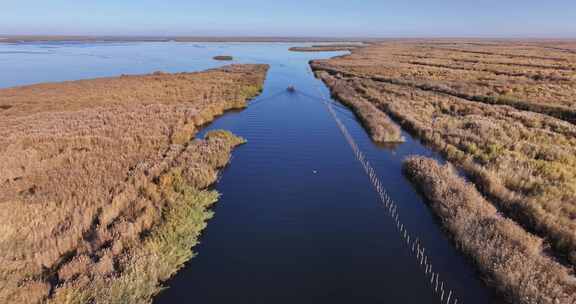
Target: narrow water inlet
x=300 y=222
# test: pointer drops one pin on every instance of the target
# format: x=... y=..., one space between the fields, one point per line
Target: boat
x=291 y=88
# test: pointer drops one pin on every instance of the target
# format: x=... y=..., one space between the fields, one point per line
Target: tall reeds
x=379 y=125
x=522 y=160
x=85 y=167
x=511 y=259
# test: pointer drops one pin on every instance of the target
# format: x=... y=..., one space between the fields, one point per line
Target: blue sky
x=378 y=18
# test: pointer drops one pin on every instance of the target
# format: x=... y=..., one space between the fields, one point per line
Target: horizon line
x=207 y=38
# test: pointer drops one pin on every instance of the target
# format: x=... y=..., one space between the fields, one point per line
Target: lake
x=298 y=221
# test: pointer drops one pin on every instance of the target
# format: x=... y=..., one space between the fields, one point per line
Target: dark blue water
x=298 y=221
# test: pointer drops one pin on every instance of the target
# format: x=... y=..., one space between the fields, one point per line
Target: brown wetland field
x=102 y=182
x=503 y=113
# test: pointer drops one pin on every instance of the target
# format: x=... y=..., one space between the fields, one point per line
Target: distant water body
x=298 y=221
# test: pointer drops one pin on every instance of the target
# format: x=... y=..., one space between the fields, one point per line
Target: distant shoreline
x=61 y=38
x=271 y=39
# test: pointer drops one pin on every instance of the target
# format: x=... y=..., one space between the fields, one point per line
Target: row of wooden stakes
x=446 y=296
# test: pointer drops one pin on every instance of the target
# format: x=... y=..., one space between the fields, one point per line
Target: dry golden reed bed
x=532 y=76
x=378 y=124
x=511 y=258
x=101 y=181
x=501 y=111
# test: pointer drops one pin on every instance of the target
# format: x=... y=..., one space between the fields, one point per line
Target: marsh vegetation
x=500 y=111
x=106 y=180
x=511 y=258
x=378 y=124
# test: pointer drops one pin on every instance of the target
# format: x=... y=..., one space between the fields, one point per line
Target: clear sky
x=378 y=18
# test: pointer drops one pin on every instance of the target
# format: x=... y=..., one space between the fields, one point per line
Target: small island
x=223 y=58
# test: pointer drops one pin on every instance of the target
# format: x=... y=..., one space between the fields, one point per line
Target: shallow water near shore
x=298 y=221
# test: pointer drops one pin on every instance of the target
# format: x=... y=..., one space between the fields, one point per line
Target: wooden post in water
x=442 y=289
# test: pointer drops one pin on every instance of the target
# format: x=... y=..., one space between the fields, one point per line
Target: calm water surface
x=298 y=221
